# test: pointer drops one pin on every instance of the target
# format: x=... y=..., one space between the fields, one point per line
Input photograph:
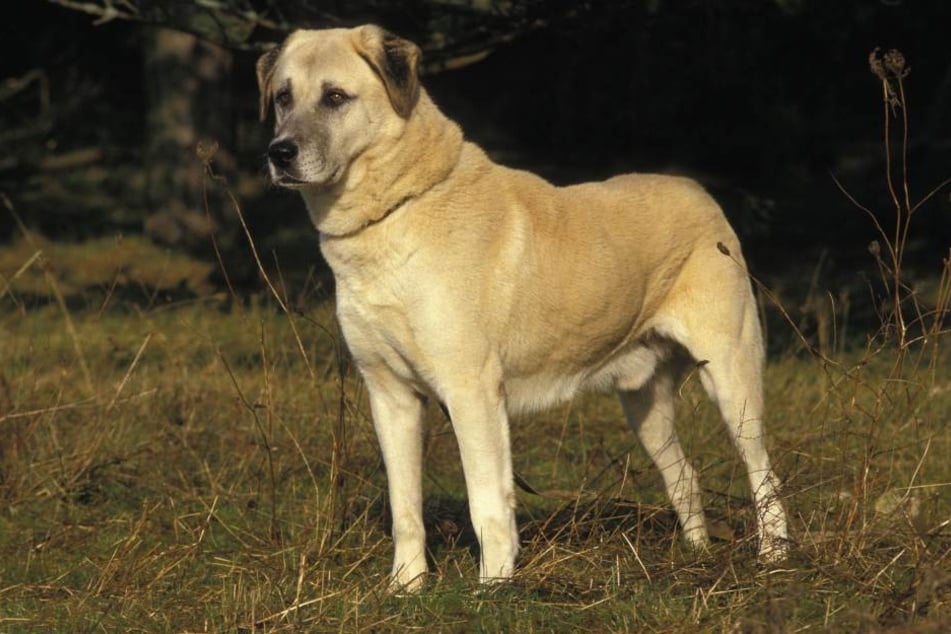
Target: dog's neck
x=382 y=180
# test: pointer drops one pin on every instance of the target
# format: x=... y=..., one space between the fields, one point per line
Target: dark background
x=764 y=102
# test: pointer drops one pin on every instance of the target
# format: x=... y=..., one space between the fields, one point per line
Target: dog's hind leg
x=731 y=371
x=650 y=413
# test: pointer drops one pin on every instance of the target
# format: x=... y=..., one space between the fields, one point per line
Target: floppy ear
x=265 y=68
x=396 y=61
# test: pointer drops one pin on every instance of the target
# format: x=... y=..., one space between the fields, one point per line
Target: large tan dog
x=500 y=293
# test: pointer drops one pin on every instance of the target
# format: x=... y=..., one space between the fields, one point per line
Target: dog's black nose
x=282 y=152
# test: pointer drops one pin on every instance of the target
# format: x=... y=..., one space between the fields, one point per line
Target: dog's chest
x=380 y=306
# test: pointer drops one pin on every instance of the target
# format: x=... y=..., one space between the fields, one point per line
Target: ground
x=189 y=461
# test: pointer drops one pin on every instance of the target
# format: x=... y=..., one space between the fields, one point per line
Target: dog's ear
x=396 y=61
x=265 y=69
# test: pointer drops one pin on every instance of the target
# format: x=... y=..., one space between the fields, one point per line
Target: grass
x=208 y=465
x=213 y=478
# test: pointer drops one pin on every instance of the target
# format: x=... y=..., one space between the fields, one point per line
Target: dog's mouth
x=283 y=179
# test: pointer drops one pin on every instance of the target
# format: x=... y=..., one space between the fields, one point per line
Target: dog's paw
x=773 y=550
x=403 y=586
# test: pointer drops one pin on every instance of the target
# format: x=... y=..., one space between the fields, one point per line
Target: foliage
x=759 y=101
x=453 y=32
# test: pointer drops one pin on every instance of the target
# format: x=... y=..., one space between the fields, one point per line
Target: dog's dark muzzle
x=282 y=153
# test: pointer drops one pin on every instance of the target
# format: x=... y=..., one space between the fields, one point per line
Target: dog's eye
x=334 y=98
x=283 y=98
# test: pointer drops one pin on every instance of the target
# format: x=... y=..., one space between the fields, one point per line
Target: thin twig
x=257 y=259
x=128 y=374
x=57 y=294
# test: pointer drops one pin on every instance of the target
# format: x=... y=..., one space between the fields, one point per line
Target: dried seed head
x=874 y=248
x=206 y=150
x=875 y=64
x=895 y=63
x=887 y=66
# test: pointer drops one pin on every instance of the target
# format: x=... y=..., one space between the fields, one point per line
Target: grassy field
x=209 y=466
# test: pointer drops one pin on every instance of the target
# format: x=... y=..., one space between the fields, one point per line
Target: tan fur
x=500 y=293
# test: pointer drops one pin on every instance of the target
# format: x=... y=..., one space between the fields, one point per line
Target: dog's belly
x=627 y=370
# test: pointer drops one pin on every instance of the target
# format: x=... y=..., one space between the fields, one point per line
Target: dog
x=499 y=293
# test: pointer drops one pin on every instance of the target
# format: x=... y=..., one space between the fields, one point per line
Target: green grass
x=210 y=466
x=216 y=473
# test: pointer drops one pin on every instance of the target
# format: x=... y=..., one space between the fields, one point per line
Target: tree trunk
x=188 y=84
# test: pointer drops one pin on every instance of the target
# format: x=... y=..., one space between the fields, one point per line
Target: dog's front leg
x=482 y=431
x=398 y=418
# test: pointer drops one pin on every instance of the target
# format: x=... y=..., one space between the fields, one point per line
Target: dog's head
x=336 y=94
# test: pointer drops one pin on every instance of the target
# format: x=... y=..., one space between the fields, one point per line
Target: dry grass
x=130 y=263
x=208 y=481
x=207 y=466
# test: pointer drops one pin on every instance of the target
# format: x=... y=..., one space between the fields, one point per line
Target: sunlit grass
x=131 y=263
x=212 y=478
